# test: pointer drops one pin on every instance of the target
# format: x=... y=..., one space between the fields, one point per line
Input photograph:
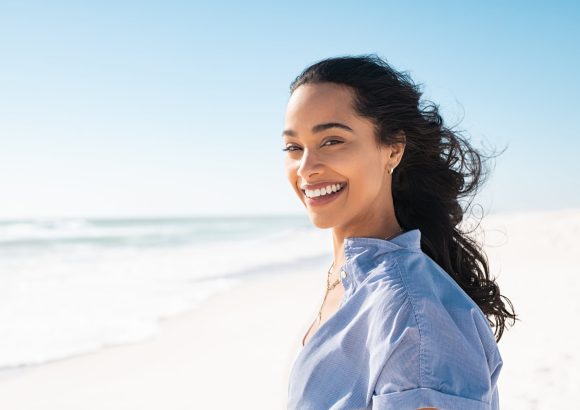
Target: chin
x=321 y=221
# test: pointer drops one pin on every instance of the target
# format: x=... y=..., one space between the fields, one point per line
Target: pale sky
x=132 y=108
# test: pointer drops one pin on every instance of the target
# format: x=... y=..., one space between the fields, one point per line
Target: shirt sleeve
x=419 y=397
x=433 y=365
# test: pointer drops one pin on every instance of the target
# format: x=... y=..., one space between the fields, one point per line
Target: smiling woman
x=404 y=323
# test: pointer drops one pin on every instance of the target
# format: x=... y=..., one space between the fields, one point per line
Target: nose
x=309 y=165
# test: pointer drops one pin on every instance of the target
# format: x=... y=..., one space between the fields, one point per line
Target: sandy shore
x=236 y=350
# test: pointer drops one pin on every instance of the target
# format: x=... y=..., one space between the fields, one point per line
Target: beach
x=236 y=349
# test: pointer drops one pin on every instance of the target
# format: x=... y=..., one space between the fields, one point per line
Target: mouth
x=321 y=196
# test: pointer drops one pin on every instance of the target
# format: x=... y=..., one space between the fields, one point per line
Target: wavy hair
x=438 y=168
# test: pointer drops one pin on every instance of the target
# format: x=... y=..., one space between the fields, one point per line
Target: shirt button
x=342 y=274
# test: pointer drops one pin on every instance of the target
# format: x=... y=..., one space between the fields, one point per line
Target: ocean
x=70 y=286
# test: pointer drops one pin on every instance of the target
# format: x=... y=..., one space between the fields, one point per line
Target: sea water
x=72 y=285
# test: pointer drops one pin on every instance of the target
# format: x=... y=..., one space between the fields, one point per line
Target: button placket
x=344 y=279
x=346 y=285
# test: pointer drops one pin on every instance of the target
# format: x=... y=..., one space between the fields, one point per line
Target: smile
x=330 y=189
x=324 y=195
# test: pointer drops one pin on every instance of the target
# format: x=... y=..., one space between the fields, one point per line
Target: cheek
x=365 y=180
x=291 y=176
x=289 y=169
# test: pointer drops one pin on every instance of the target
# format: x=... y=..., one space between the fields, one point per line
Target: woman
x=405 y=320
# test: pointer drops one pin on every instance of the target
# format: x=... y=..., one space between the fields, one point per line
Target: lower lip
x=321 y=200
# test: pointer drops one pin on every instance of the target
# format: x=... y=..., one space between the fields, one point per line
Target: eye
x=289 y=148
x=340 y=142
x=295 y=148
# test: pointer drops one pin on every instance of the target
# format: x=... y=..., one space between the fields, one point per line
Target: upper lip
x=319 y=185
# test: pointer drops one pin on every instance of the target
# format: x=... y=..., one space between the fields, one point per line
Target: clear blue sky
x=176 y=107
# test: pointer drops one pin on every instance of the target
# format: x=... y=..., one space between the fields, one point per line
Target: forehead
x=319 y=102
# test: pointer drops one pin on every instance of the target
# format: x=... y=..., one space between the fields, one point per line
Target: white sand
x=538 y=266
x=236 y=350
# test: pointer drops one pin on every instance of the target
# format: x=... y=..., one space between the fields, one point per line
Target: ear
x=396 y=150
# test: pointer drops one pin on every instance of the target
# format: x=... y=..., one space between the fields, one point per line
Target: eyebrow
x=319 y=128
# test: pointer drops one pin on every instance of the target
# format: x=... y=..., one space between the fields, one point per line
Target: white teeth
x=324 y=191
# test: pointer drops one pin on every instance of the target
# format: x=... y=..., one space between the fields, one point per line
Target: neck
x=389 y=230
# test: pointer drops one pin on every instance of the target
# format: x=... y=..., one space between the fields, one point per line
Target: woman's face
x=328 y=145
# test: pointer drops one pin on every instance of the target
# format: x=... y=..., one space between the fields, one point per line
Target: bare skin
x=330 y=306
x=366 y=207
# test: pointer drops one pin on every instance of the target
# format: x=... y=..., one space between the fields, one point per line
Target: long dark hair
x=439 y=167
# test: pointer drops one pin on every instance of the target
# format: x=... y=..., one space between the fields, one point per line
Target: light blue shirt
x=405 y=336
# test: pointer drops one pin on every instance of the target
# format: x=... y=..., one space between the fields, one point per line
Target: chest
x=330 y=305
x=334 y=369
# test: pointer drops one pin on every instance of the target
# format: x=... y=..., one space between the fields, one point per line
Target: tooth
x=323 y=191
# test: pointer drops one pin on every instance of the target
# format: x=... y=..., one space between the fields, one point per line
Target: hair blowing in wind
x=438 y=169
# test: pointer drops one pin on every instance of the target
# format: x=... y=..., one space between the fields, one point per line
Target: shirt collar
x=361 y=253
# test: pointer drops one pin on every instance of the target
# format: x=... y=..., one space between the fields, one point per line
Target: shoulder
x=436 y=337
x=443 y=310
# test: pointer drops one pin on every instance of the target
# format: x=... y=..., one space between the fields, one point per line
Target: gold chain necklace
x=329 y=287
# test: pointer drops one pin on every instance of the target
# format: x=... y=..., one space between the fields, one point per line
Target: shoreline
x=235 y=346
x=236 y=349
